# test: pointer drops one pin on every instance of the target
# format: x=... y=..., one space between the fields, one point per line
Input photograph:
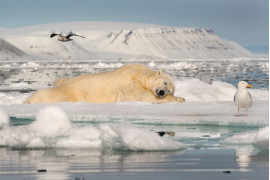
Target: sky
x=243 y=21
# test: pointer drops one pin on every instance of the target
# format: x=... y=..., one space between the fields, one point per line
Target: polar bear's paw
x=180 y=99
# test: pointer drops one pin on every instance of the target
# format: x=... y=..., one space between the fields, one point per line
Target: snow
x=52 y=128
x=190 y=89
x=139 y=139
x=172 y=43
x=12 y=98
x=197 y=90
x=208 y=114
x=259 y=138
x=9 y=51
x=113 y=125
x=133 y=125
x=4 y=119
x=50 y=122
x=111 y=40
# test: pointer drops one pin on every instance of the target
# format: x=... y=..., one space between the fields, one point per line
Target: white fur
x=133 y=82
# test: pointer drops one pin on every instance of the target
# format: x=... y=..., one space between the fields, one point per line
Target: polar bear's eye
x=165 y=83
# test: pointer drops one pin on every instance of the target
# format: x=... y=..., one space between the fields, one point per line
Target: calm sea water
x=62 y=164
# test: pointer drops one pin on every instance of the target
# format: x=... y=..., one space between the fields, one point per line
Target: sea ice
x=260 y=136
x=50 y=122
x=52 y=128
x=115 y=125
x=4 y=118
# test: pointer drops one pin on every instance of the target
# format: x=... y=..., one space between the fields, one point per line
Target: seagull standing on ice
x=65 y=38
x=242 y=97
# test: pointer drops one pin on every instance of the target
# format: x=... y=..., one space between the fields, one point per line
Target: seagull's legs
x=246 y=112
x=238 y=112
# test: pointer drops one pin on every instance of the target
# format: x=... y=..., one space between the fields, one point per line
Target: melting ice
x=209 y=114
x=207 y=120
x=53 y=128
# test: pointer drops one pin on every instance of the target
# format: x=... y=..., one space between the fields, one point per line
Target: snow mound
x=50 y=122
x=52 y=128
x=260 y=138
x=197 y=90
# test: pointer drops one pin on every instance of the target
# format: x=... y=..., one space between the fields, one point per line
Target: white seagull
x=65 y=38
x=242 y=97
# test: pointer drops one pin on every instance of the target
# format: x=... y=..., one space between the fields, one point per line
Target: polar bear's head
x=161 y=84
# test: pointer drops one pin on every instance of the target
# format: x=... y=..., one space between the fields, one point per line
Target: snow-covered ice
x=52 y=128
x=133 y=125
x=207 y=120
x=4 y=119
x=259 y=138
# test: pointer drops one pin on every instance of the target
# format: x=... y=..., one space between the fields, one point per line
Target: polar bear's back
x=124 y=73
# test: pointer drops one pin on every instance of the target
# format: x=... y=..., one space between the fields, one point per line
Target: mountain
x=172 y=43
x=8 y=51
x=108 y=40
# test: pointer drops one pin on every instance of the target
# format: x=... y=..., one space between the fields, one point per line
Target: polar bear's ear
x=159 y=72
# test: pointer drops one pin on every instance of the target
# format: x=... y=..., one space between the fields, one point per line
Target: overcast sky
x=243 y=21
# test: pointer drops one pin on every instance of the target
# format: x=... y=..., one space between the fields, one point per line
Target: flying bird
x=65 y=38
x=242 y=97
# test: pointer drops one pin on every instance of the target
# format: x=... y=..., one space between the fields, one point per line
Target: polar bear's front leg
x=180 y=99
x=171 y=98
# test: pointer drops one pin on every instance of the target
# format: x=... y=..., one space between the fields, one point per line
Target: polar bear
x=133 y=82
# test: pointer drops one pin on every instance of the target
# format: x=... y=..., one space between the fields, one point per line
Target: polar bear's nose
x=160 y=93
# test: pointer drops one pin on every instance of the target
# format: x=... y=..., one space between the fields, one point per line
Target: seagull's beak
x=249 y=86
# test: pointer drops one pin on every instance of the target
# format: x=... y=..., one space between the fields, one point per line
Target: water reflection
x=63 y=164
x=243 y=158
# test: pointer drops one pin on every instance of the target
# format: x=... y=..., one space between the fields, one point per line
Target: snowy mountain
x=8 y=51
x=172 y=43
x=108 y=40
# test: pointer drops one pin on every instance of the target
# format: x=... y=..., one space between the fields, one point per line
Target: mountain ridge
x=9 y=51
x=108 y=40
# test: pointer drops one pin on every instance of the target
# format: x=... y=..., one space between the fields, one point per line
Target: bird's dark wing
x=71 y=34
x=78 y=35
x=53 y=34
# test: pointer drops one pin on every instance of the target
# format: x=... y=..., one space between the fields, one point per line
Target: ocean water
x=27 y=76
x=84 y=164
x=120 y=140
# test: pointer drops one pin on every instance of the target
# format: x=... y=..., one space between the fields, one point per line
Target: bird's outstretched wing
x=78 y=35
x=72 y=34
x=53 y=34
